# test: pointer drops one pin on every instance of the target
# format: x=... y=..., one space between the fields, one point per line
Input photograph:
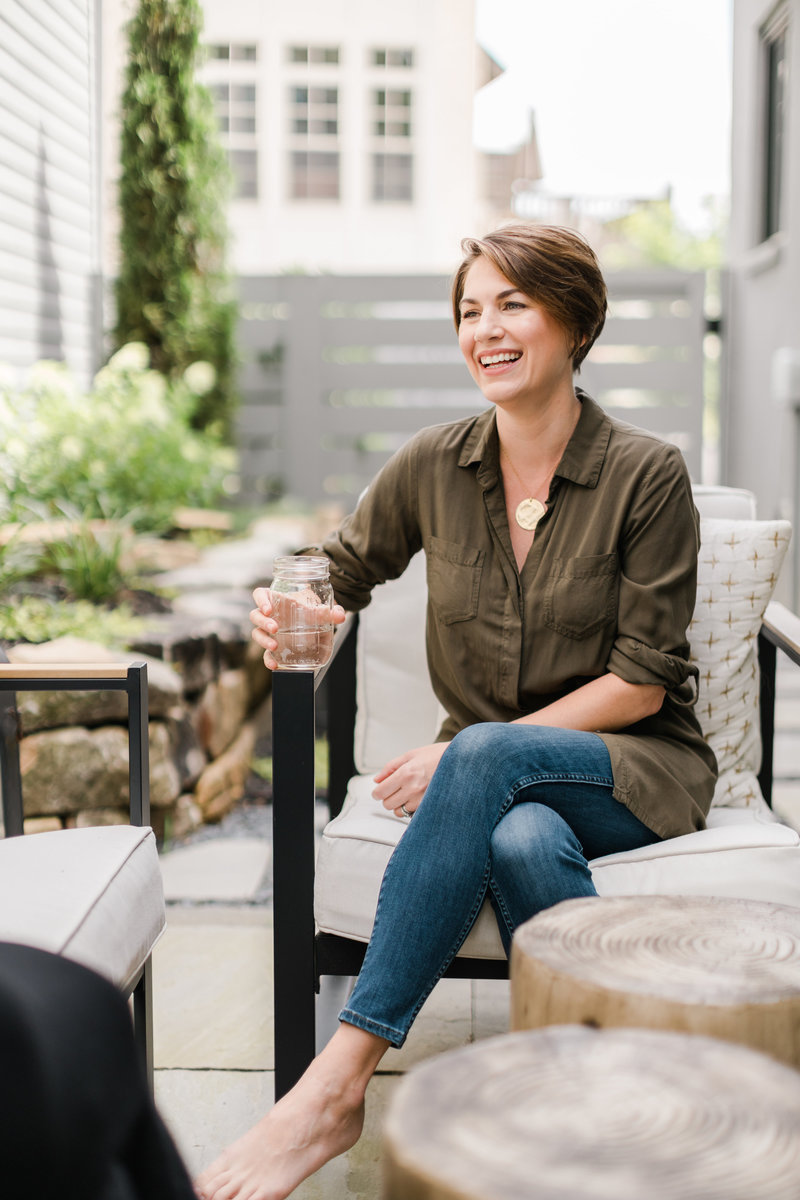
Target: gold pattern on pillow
x=738 y=568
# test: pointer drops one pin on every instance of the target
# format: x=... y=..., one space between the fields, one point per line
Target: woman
x=561 y=552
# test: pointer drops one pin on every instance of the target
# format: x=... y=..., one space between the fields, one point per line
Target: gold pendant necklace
x=529 y=511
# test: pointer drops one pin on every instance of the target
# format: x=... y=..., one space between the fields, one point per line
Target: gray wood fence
x=338 y=371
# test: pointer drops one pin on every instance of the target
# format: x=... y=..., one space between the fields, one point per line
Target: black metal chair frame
x=131 y=679
x=301 y=955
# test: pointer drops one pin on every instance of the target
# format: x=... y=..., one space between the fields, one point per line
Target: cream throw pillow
x=738 y=568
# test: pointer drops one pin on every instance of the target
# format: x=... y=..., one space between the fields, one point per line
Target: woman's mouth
x=501 y=359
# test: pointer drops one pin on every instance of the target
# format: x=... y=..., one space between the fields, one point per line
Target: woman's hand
x=402 y=782
x=265 y=627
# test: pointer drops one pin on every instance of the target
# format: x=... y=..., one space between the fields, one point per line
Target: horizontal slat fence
x=338 y=371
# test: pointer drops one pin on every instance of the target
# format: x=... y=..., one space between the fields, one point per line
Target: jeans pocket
x=454 y=580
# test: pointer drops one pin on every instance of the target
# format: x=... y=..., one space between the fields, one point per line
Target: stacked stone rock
x=208 y=705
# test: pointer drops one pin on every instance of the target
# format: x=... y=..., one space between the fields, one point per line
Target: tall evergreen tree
x=172 y=290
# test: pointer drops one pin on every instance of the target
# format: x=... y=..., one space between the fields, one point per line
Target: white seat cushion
x=93 y=895
x=745 y=853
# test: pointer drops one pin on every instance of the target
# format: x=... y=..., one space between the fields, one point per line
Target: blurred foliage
x=654 y=235
x=173 y=292
x=125 y=449
x=88 y=561
x=40 y=619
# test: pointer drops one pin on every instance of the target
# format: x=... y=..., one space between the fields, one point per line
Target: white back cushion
x=396 y=707
x=737 y=571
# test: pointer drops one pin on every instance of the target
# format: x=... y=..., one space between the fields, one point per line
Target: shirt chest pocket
x=454 y=580
x=581 y=594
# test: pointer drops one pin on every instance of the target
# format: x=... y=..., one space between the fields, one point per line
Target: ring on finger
x=405 y=811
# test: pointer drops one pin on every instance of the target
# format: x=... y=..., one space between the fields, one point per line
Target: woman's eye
x=514 y=304
x=471 y=312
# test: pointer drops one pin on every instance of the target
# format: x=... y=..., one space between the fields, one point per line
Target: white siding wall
x=48 y=212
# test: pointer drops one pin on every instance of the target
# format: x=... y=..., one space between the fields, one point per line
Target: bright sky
x=629 y=96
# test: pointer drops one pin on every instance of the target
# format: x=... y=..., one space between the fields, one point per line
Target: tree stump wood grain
x=726 y=968
x=620 y=1114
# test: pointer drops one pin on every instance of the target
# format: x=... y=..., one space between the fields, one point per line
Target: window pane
x=324 y=127
x=378 y=58
x=314 y=175
x=298 y=54
x=299 y=95
x=244 y=53
x=243 y=92
x=245 y=172
x=324 y=95
x=243 y=124
x=219 y=51
x=775 y=126
x=324 y=54
x=392 y=178
x=401 y=58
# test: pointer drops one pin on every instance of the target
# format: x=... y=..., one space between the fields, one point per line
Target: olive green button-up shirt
x=608 y=585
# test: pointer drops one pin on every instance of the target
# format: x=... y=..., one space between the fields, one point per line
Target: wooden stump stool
x=570 y=1113
x=727 y=968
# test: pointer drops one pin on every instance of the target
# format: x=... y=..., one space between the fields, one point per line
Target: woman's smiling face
x=513 y=347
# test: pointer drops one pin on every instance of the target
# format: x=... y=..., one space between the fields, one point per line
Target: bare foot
x=321 y=1117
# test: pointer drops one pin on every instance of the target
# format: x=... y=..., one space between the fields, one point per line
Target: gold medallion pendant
x=529 y=513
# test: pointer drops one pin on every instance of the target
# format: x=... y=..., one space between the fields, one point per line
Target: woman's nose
x=489 y=325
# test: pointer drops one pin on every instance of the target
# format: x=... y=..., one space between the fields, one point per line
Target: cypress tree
x=172 y=291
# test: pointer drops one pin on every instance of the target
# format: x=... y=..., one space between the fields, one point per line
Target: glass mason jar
x=302 y=597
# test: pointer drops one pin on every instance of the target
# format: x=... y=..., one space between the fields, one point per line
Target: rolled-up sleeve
x=658 y=579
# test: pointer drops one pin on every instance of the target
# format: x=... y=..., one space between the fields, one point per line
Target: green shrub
x=173 y=291
x=124 y=449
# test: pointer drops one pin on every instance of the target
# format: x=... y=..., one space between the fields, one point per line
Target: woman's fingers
x=267 y=619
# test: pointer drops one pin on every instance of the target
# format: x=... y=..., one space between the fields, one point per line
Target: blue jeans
x=513 y=811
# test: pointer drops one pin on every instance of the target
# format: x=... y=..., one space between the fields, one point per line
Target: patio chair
x=380 y=702
x=95 y=894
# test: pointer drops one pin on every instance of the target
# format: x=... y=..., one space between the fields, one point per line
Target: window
x=313 y=54
x=314 y=111
x=314 y=175
x=244 y=164
x=776 y=72
x=391 y=113
x=235 y=51
x=235 y=110
x=391 y=58
x=392 y=178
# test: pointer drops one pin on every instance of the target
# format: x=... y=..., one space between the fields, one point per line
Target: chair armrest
x=781 y=627
x=63 y=677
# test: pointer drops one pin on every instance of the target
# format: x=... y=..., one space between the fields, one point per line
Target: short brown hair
x=553 y=265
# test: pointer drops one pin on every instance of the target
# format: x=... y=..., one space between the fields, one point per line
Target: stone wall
x=208 y=706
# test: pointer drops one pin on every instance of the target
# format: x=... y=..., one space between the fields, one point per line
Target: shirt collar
x=581 y=462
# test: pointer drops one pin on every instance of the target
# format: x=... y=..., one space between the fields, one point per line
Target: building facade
x=762 y=322
x=348 y=124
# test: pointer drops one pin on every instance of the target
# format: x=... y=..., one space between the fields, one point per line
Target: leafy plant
x=173 y=292
x=126 y=447
x=38 y=619
x=19 y=560
x=88 y=561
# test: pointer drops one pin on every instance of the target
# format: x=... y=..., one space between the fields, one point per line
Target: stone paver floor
x=213 y=1012
x=213 y=989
